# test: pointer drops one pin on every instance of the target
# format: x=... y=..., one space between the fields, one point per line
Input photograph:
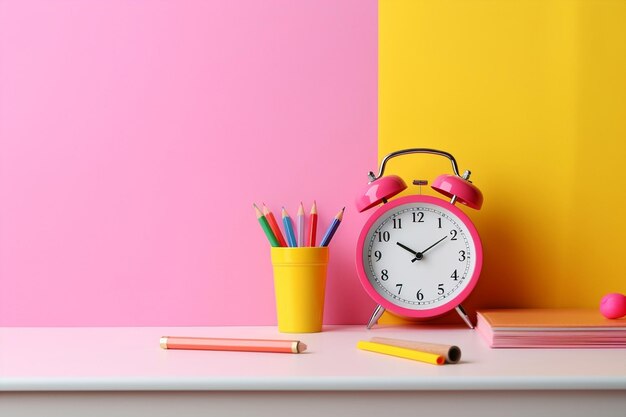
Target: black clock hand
x=406 y=248
x=434 y=244
x=420 y=255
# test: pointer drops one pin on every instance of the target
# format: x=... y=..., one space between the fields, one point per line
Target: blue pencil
x=291 y=236
x=332 y=228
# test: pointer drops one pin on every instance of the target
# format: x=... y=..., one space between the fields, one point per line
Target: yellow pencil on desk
x=451 y=353
x=401 y=352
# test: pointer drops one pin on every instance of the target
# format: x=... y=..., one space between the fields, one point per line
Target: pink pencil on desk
x=239 y=345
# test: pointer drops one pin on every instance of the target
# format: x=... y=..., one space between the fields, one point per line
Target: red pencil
x=274 y=226
x=313 y=225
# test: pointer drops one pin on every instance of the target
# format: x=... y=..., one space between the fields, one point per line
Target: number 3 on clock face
x=419 y=256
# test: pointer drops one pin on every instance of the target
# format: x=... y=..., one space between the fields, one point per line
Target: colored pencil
x=291 y=236
x=274 y=225
x=401 y=352
x=239 y=345
x=332 y=228
x=451 y=353
x=313 y=225
x=300 y=225
x=266 y=227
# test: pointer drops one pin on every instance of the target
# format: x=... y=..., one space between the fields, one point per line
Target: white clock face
x=419 y=256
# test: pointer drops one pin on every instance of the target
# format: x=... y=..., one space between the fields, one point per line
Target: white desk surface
x=130 y=359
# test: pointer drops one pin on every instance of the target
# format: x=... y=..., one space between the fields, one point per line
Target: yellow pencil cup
x=300 y=286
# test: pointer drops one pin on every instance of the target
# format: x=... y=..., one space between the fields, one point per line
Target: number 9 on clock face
x=419 y=256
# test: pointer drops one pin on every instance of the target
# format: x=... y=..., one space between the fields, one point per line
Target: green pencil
x=266 y=227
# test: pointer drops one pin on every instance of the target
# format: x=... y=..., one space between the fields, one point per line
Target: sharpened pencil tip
x=258 y=211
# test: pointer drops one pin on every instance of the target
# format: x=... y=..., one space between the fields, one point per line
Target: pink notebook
x=550 y=328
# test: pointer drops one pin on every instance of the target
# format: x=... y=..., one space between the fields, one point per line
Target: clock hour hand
x=407 y=248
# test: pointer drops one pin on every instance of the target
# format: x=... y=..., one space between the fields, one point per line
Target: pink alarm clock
x=419 y=256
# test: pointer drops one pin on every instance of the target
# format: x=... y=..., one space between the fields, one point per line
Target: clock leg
x=375 y=316
x=463 y=314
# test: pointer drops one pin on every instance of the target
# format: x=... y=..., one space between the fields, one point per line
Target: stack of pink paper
x=550 y=328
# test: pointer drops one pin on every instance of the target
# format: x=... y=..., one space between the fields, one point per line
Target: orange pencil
x=313 y=225
x=239 y=345
x=274 y=225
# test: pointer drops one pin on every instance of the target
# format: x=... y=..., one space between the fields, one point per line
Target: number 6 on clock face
x=420 y=256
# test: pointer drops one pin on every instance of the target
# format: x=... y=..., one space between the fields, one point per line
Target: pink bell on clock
x=379 y=191
x=459 y=189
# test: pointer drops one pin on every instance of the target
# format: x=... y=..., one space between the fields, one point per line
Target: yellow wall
x=531 y=97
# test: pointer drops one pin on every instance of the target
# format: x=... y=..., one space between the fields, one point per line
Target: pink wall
x=135 y=136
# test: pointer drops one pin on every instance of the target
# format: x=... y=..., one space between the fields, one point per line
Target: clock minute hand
x=420 y=255
x=434 y=244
